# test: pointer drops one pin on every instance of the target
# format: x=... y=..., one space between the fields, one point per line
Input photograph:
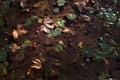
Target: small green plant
x=104 y=50
x=71 y=16
x=109 y=16
x=61 y=23
x=60 y=46
x=55 y=32
x=28 y=21
x=61 y=2
x=3 y=11
x=103 y=77
x=56 y=10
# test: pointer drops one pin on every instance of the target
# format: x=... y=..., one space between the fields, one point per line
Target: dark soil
x=66 y=65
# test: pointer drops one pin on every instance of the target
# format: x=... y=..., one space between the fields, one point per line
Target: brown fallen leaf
x=22 y=31
x=80 y=44
x=86 y=18
x=44 y=29
x=49 y=26
x=37 y=64
x=15 y=34
x=67 y=30
x=47 y=20
x=14 y=47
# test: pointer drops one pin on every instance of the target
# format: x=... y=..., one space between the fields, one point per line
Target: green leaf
x=56 y=10
x=61 y=2
x=71 y=16
x=56 y=32
x=61 y=22
x=49 y=35
x=26 y=43
x=3 y=56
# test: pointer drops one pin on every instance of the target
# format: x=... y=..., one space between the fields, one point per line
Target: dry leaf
x=37 y=64
x=49 y=26
x=22 y=31
x=67 y=30
x=14 y=47
x=80 y=44
x=46 y=30
x=15 y=34
x=86 y=18
x=47 y=20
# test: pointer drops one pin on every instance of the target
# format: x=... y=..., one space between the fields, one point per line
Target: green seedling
x=61 y=23
x=28 y=21
x=56 y=10
x=61 y=2
x=71 y=16
x=105 y=50
x=60 y=46
x=109 y=16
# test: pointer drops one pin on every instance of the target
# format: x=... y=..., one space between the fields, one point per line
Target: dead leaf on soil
x=44 y=29
x=37 y=64
x=86 y=18
x=14 y=47
x=47 y=20
x=15 y=34
x=80 y=44
x=18 y=31
x=67 y=30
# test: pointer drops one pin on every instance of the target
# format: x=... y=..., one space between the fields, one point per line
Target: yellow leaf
x=80 y=44
x=15 y=34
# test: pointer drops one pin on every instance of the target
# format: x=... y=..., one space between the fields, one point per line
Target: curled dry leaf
x=67 y=30
x=44 y=29
x=86 y=18
x=49 y=26
x=47 y=20
x=80 y=44
x=15 y=34
x=37 y=64
x=14 y=47
x=22 y=31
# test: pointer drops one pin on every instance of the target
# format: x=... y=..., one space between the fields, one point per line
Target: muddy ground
x=68 y=64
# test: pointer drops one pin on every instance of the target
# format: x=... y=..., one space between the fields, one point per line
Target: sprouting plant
x=56 y=10
x=105 y=50
x=71 y=16
x=28 y=21
x=3 y=11
x=109 y=16
x=104 y=76
x=61 y=2
x=60 y=46
x=61 y=22
x=57 y=31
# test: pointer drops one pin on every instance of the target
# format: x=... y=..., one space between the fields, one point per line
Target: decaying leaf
x=80 y=44
x=86 y=18
x=37 y=64
x=14 y=47
x=15 y=34
x=67 y=30
x=47 y=20
x=18 y=31
x=44 y=29
x=22 y=31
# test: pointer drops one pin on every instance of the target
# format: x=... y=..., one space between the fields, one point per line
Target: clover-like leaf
x=71 y=16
